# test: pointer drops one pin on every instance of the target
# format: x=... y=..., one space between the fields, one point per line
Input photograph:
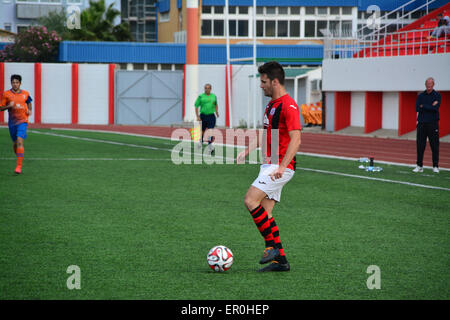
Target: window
x=282 y=29
x=21 y=28
x=282 y=10
x=321 y=24
x=7 y=26
x=206 y=9
x=232 y=30
x=243 y=28
x=164 y=16
x=347 y=28
x=218 y=10
x=335 y=10
x=294 y=29
x=206 y=28
x=270 y=10
x=219 y=28
x=232 y=10
x=346 y=10
x=310 y=27
x=259 y=28
x=310 y=10
x=270 y=28
x=295 y=10
x=335 y=28
x=259 y=10
x=322 y=10
x=243 y=10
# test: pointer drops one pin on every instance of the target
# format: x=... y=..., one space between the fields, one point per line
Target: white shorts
x=272 y=188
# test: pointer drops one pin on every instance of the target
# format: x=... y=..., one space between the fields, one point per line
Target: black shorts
x=208 y=121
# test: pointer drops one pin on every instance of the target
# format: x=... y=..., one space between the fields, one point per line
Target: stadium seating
x=411 y=40
x=312 y=114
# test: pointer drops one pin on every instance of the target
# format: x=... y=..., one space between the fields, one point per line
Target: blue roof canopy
x=174 y=53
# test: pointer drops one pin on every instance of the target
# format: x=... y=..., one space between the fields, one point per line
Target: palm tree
x=97 y=24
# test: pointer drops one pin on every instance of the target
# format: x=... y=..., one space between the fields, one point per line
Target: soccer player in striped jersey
x=280 y=145
x=18 y=104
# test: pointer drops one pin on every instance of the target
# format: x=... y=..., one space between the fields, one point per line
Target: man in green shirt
x=209 y=110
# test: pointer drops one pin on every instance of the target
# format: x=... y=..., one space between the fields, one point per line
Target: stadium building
x=302 y=35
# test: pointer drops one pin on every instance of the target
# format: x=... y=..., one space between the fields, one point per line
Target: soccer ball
x=220 y=258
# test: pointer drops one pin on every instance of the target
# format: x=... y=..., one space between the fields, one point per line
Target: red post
x=74 y=93
x=37 y=92
x=111 y=94
x=227 y=98
x=342 y=110
x=444 y=114
x=407 y=116
x=373 y=111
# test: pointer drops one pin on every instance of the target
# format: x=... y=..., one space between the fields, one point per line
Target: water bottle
x=370 y=167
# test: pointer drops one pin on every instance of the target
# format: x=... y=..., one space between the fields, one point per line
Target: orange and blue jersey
x=18 y=113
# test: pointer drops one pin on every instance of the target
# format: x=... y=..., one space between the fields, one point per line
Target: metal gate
x=149 y=97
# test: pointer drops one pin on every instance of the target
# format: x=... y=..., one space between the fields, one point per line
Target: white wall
x=407 y=73
x=390 y=110
x=93 y=94
x=57 y=86
x=358 y=104
x=56 y=91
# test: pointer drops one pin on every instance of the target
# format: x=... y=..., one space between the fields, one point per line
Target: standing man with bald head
x=209 y=110
x=427 y=107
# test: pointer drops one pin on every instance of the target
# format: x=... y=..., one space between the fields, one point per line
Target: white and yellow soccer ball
x=220 y=258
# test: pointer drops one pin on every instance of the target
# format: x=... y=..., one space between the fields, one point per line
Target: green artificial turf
x=139 y=226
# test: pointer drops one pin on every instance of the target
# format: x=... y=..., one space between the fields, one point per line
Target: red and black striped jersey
x=281 y=116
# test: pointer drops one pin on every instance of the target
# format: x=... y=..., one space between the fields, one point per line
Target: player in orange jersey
x=18 y=104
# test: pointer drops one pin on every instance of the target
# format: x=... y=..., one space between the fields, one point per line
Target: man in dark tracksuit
x=427 y=107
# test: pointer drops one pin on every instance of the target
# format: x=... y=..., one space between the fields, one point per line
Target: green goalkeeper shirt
x=207 y=103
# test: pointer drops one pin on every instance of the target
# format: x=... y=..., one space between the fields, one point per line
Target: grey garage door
x=149 y=97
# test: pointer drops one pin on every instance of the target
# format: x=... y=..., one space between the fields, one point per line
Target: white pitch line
x=373 y=178
x=90 y=159
x=305 y=169
x=99 y=140
x=319 y=155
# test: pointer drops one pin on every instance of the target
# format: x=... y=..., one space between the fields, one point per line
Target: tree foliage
x=35 y=44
